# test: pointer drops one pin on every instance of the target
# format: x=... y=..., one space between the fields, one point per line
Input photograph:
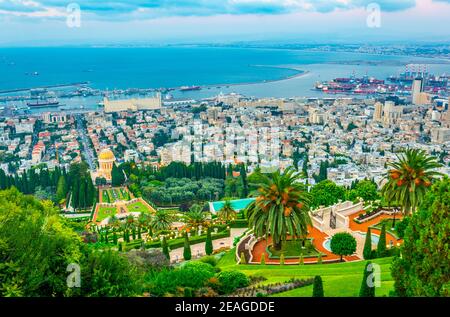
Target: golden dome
x=106 y=155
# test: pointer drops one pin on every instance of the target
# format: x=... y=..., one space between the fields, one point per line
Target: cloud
x=145 y=9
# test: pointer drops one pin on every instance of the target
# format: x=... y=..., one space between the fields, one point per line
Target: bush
x=243 y=260
x=193 y=274
x=367 y=252
x=343 y=244
x=229 y=281
x=319 y=259
x=208 y=244
x=317 y=287
x=282 y=259
x=366 y=290
x=148 y=259
x=381 y=247
x=165 y=248
x=188 y=292
x=187 y=249
x=300 y=261
x=211 y=260
x=400 y=227
x=263 y=259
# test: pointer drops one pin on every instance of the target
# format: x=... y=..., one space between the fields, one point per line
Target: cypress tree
x=282 y=259
x=263 y=259
x=366 y=290
x=115 y=238
x=319 y=258
x=381 y=247
x=120 y=247
x=139 y=233
x=133 y=233
x=208 y=244
x=187 y=248
x=318 y=287
x=242 y=260
x=75 y=194
x=61 y=189
x=82 y=195
x=300 y=262
x=367 y=253
x=165 y=248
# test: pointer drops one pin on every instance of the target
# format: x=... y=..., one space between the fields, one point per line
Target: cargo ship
x=43 y=103
x=190 y=88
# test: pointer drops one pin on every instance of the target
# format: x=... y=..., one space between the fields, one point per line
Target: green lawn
x=137 y=207
x=339 y=279
x=105 y=212
x=293 y=248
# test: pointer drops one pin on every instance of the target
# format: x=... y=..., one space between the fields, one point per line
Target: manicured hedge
x=179 y=242
x=239 y=223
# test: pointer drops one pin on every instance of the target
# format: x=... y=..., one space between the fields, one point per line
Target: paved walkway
x=199 y=248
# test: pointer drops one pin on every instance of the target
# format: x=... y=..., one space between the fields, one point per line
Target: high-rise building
x=416 y=89
x=392 y=113
x=378 y=114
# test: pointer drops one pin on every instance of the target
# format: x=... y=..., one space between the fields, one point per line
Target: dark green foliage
x=366 y=289
x=343 y=244
x=188 y=292
x=211 y=260
x=318 y=287
x=401 y=226
x=423 y=268
x=381 y=247
x=208 y=244
x=366 y=189
x=37 y=266
x=326 y=193
x=187 y=248
x=229 y=281
x=367 y=252
x=192 y=274
x=165 y=248
x=117 y=176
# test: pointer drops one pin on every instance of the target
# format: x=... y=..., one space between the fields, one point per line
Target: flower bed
x=179 y=242
x=363 y=217
x=271 y=289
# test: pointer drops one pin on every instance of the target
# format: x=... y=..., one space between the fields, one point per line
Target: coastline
x=299 y=73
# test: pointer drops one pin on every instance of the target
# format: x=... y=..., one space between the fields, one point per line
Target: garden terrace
x=339 y=279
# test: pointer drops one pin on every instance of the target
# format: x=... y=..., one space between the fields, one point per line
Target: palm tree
x=162 y=220
x=227 y=213
x=195 y=217
x=281 y=209
x=409 y=179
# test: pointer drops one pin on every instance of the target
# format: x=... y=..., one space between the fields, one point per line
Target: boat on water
x=43 y=103
x=190 y=88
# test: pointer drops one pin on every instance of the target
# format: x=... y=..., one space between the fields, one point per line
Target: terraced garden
x=339 y=279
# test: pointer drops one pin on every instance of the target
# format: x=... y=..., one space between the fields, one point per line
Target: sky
x=100 y=22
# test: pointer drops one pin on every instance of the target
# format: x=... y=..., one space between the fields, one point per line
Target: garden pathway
x=199 y=248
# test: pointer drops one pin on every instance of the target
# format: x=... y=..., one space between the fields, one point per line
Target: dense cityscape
x=225 y=169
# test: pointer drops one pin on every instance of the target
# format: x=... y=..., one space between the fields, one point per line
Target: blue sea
x=259 y=71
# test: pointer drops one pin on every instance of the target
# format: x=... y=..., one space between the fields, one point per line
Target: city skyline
x=41 y=23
